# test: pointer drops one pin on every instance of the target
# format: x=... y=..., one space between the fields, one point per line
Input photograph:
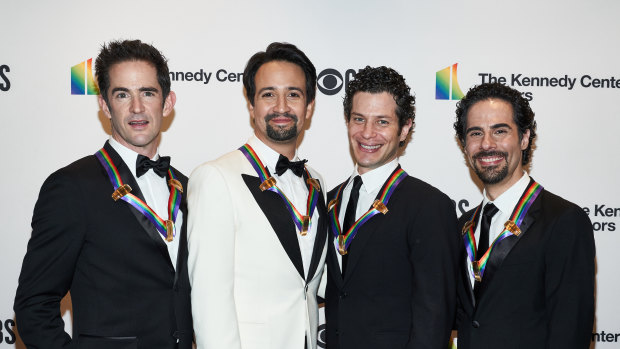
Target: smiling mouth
x=370 y=147
x=490 y=158
x=138 y=123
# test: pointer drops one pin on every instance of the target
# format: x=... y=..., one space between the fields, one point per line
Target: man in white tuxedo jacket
x=257 y=228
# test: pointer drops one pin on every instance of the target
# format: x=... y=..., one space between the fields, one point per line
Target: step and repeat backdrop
x=562 y=55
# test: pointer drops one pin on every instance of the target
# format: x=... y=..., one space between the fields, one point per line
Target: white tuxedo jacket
x=248 y=285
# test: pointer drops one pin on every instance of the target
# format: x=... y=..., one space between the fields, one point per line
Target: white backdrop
x=44 y=126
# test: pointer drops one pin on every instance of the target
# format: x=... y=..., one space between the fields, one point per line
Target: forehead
x=280 y=74
x=133 y=74
x=490 y=112
x=374 y=104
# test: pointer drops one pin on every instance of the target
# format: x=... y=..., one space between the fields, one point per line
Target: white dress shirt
x=295 y=190
x=156 y=193
x=372 y=181
x=505 y=203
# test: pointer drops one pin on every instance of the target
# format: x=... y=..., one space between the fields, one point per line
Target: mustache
x=271 y=116
x=490 y=153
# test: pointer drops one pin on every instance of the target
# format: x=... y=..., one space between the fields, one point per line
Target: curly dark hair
x=130 y=50
x=523 y=115
x=279 y=51
x=383 y=79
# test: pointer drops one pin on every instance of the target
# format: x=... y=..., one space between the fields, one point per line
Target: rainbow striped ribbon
x=302 y=222
x=378 y=206
x=511 y=227
x=122 y=191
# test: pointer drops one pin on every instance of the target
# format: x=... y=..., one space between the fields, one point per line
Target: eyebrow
x=271 y=88
x=380 y=116
x=493 y=127
x=141 y=89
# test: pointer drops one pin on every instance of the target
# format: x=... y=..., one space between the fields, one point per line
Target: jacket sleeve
x=434 y=261
x=569 y=281
x=58 y=227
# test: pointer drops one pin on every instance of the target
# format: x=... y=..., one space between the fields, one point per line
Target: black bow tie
x=284 y=164
x=160 y=167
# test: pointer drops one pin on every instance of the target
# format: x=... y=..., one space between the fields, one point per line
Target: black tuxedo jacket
x=538 y=289
x=399 y=290
x=124 y=289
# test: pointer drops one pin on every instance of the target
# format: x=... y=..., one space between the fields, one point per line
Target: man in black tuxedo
x=116 y=244
x=527 y=266
x=391 y=263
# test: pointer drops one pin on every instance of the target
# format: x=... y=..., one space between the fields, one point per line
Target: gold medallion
x=169 y=230
x=331 y=204
x=466 y=227
x=121 y=191
x=512 y=227
x=305 y=222
x=476 y=268
x=268 y=183
x=314 y=183
x=175 y=183
x=380 y=206
x=341 y=249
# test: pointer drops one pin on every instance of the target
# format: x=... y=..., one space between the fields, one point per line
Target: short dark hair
x=130 y=50
x=279 y=51
x=383 y=79
x=522 y=114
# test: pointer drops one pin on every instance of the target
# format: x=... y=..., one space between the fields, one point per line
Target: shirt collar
x=128 y=156
x=267 y=156
x=375 y=178
x=507 y=201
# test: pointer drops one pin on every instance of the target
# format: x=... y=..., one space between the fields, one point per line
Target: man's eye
x=383 y=122
x=267 y=95
x=121 y=95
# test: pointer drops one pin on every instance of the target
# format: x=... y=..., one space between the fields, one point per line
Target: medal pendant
x=331 y=204
x=476 y=268
x=169 y=230
x=121 y=191
x=305 y=222
x=512 y=227
x=313 y=182
x=268 y=183
x=380 y=206
x=175 y=183
x=341 y=248
x=466 y=227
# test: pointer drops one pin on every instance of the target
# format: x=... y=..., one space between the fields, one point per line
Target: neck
x=495 y=190
x=285 y=148
x=148 y=150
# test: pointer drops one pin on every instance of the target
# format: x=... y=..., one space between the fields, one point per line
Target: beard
x=491 y=174
x=281 y=134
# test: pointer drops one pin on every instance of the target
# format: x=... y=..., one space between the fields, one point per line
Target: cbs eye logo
x=321 y=340
x=330 y=81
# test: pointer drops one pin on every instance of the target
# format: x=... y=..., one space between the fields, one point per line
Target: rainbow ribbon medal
x=378 y=206
x=511 y=227
x=123 y=192
x=269 y=183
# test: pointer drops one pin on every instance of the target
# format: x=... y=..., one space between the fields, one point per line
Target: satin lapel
x=321 y=235
x=128 y=178
x=182 y=254
x=366 y=231
x=464 y=262
x=499 y=252
x=332 y=253
x=279 y=218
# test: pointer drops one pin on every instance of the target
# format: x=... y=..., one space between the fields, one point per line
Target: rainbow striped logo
x=447 y=84
x=82 y=82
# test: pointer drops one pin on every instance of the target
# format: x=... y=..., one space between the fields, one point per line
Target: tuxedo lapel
x=128 y=178
x=183 y=242
x=280 y=219
x=332 y=252
x=465 y=271
x=499 y=252
x=321 y=235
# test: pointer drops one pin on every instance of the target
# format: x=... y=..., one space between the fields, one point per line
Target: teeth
x=370 y=147
x=137 y=122
x=490 y=159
